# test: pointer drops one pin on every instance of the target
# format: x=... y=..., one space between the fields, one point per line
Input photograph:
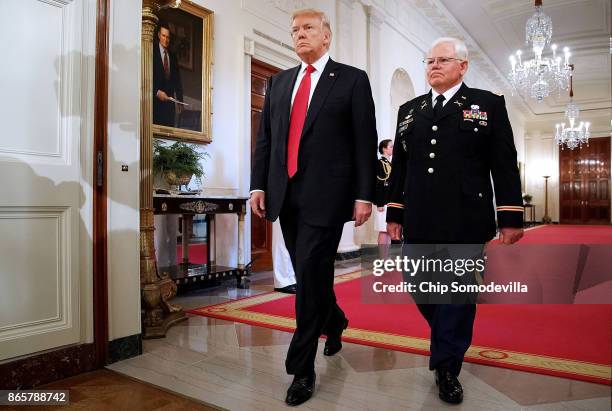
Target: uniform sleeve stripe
x=395 y=205
x=511 y=208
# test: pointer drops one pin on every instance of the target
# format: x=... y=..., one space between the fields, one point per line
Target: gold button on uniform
x=432 y=155
x=433 y=141
x=479 y=194
x=430 y=170
x=476 y=129
x=434 y=128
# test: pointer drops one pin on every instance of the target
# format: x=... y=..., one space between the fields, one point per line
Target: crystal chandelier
x=577 y=133
x=540 y=76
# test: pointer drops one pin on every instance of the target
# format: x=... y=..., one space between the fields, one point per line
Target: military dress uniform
x=383 y=172
x=441 y=192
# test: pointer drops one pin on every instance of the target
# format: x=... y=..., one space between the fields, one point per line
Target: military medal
x=474 y=114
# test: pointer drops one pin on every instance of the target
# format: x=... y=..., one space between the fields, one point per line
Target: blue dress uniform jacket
x=441 y=171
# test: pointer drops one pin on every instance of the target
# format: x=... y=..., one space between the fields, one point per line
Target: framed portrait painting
x=182 y=73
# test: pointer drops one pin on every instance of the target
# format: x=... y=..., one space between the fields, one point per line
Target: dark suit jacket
x=441 y=170
x=163 y=112
x=337 y=154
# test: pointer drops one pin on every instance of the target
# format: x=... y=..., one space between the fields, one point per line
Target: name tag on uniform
x=403 y=125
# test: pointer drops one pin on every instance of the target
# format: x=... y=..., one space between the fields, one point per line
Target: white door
x=46 y=102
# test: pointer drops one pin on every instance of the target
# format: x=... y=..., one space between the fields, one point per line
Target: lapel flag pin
x=331 y=74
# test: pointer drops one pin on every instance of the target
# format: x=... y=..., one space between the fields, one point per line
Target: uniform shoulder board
x=498 y=93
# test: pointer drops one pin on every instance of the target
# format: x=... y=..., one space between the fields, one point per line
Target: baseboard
x=124 y=348
x=31 y=372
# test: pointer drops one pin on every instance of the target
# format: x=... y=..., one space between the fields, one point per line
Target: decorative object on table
x=540 y=76
x=577 y=133
x=188 y=116
x=546 y=219
x=527 y=198
x=178 y=162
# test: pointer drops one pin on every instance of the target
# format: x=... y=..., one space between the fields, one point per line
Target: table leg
x=241 y=241
x=187 y=224
x=212 y=249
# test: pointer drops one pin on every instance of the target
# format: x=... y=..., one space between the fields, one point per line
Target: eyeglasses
x=443 y=61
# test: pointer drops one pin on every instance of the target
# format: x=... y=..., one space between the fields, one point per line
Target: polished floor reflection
x=241 y=367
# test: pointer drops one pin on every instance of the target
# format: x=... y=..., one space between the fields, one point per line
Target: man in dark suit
x=448 y=144
x=166 y=80
x=314 y=166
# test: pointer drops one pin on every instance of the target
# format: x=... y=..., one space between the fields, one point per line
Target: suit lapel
x=456 y=103
x=424 y=106
x=324 y=85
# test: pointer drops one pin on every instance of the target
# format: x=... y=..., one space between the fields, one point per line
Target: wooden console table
x=187 y=275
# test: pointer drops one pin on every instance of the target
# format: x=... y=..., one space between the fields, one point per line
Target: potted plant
x=527 y=198
x=178 y=162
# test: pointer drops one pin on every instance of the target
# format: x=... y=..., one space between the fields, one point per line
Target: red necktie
x=296 y=124
x=166 y=71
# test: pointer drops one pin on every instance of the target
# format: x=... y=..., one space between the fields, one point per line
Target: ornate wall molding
x=275 y=12
x=422 y=21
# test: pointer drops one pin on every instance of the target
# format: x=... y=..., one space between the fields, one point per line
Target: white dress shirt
x=162 y=50
x=448 y=94
x=319 y=66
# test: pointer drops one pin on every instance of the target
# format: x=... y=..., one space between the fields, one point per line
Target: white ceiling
x=498 y=27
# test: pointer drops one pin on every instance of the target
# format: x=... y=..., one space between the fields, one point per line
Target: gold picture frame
x=182 y=70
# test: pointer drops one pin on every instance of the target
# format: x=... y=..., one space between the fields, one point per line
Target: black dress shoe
x=290 y=289
x=449 y=387
x=301 y=389
x=333 y=344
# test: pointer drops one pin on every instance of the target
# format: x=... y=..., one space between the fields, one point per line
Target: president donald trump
x=315 y=169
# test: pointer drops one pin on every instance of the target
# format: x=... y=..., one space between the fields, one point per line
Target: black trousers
x=312 y=250
x=451 y=323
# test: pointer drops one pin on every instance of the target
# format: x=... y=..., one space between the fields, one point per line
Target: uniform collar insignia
x=410 y=112
x=423 y=104
x=457 y=102
x=463 y=98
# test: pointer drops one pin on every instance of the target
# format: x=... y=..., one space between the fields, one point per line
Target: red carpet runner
x=572 y=341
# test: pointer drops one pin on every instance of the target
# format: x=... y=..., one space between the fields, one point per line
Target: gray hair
x=314 y=12
x=461 y=51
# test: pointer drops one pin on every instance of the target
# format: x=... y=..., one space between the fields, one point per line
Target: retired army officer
x=448 y=144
